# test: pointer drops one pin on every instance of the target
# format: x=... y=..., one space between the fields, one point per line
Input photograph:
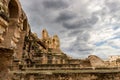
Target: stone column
x=5 y=62
x=53 y=60
x=44 y=59
x=32 y=77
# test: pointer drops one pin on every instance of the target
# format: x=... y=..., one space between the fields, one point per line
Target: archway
x=25 y=25
x=13 y=9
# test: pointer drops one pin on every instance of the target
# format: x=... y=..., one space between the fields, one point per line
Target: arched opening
x=25 y=25
x=54 y=41
x=13 y=9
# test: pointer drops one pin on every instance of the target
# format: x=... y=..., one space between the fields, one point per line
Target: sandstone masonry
x=24 y=56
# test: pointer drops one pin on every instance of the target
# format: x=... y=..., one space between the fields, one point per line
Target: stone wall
x=13 y=29
x=70 y=76
x=21 y=50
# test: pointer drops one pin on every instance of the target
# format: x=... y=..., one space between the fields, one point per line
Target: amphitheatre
x=25 y=56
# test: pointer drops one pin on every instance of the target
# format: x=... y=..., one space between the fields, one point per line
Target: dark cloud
x=80 y=46
x=82 y=23
x=83 y=37
x=75 y=32
x=69 y=25
x=113 y=6
x=72 y=20
x=80 y=49
x=55 y=4
x=66 y=15
x=85 y=50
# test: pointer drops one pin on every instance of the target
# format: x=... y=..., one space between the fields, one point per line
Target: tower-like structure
x=52 y=42
x=24 y=56
x=56 y=42
x=45 y=34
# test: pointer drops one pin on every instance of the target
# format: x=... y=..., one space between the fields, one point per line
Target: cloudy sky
x=85 y=27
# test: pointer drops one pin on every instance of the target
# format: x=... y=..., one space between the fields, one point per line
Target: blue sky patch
x=116 y=47
x=116 y=27
x=100 y=43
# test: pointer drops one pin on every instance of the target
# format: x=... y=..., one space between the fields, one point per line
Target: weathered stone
x=45 y=34
x=24 y=56
x=96 y=61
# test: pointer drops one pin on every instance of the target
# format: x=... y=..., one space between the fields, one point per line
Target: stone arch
x=25 y=25
x=54 y=41
x=14 y=9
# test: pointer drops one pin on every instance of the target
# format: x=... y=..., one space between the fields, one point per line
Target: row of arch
x=15 y=11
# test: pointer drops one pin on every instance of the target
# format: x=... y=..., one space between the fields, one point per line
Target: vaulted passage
x=13 y=9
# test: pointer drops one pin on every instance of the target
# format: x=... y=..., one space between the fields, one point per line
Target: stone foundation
x=70 y=76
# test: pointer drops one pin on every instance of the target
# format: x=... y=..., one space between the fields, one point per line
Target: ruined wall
x=96 y=61
x=90 y=76
x=70 y=76
x=14 y=26
x=5 y=62
x=21 y=50
x=13 y=29
x=52 y=43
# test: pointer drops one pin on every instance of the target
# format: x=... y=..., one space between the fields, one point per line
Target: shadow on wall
x=13 y=9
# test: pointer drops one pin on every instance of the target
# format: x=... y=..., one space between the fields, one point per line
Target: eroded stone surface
x=24 y=56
